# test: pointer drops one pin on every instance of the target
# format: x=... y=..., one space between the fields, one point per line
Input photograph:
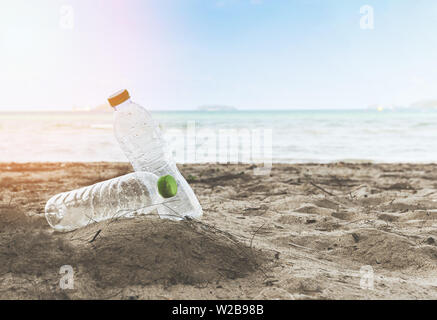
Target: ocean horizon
x=297 y=136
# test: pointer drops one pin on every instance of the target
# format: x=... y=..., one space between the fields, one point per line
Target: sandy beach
x=303 y=232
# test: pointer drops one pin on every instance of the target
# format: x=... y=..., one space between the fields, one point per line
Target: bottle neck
x=123 y=104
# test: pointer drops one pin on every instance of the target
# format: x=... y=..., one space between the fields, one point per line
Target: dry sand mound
x=145 y=251
x=116 y=254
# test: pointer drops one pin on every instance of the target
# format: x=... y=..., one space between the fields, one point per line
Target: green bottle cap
x=167 y=186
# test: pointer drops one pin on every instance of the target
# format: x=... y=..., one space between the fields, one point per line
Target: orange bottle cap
x=118 y=98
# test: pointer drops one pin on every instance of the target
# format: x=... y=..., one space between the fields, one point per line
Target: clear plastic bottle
x=125 y=196
x=141 y=140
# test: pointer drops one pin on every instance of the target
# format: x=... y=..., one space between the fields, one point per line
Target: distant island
x=104 y=107
x=216 y=108
x=419 y=105
x=425 y=104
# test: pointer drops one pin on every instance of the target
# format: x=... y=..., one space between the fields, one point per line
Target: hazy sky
x=179 y=54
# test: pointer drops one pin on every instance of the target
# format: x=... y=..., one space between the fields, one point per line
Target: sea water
x=297 y=136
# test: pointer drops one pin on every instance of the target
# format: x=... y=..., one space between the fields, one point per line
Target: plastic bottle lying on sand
x=141 y=140
x=125 y=196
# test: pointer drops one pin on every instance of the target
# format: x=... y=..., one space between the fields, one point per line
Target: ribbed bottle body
x=134 y=193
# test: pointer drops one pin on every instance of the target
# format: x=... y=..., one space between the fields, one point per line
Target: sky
x=250 y=54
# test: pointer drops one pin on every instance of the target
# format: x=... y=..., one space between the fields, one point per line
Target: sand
x=303 y=232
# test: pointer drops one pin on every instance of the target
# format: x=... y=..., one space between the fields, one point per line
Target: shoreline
x=334 y=162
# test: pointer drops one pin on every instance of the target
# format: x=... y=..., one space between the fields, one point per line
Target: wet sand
x=303 y=232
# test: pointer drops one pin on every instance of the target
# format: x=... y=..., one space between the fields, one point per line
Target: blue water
x=297 y=136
